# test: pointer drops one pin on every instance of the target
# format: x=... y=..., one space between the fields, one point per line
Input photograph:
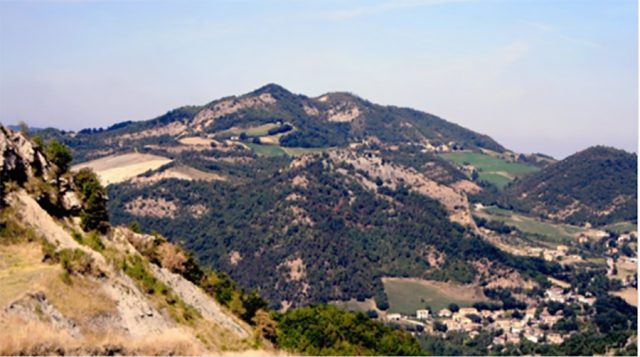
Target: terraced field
x=491 y=169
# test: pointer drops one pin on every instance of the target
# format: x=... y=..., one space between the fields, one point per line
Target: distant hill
x=330 y=120
x=596 y=186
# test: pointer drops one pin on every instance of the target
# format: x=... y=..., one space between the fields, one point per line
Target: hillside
x=92 y=292
x=322 y=227
x=595 y=186
x=74 y=284
x=269 y=179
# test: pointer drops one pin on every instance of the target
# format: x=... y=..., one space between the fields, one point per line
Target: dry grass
x=81 y=301
x=20 y=337
x=630 y=295
x=195 y=141
x=21 y=268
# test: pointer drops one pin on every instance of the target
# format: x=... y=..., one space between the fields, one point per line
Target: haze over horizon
x=537 y=76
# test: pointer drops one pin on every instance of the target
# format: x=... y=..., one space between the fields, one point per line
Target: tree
x=94 y=213
x=454 y=307
x=58 y=154
x=24 y=128
x=252 y=303
x=265 y=325
x=236 y=305
x=439 y=326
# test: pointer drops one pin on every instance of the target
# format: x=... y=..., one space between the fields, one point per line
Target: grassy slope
x=549 y=232
x=492 y=169
x=407 y=296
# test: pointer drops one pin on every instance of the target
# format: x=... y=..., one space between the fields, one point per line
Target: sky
x=550 y=76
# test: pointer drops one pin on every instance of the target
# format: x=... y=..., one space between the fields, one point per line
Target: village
x=508 y=325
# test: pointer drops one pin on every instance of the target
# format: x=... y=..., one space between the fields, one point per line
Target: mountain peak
x=275 y=90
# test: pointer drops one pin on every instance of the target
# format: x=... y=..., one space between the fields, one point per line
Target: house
x=585 y=300
x=444 y=313
x=555 y=294
x=532 y=338
x=394 y=317
x=468 y=311
x=422 y=314
x=555 y=338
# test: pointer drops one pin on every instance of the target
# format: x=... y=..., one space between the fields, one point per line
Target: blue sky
x=550 y=76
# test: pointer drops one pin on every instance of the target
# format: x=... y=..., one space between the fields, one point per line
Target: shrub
x=58 y=154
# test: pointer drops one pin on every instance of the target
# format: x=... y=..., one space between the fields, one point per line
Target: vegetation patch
x=327 y=330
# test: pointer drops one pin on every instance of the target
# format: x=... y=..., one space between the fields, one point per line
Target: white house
x=422 y=314
x=394 y=317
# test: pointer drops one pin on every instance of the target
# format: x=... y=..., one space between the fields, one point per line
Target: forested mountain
x=597 y=186
x=314 y=233
x=330 y=120
x=313 y=199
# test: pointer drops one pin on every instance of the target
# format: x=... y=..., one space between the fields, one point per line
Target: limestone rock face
x=19 y=160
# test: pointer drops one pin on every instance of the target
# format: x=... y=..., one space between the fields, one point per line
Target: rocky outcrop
x=19 y=159
x=35 y=306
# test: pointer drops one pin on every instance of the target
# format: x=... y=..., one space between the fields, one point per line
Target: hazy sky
x=552 y=76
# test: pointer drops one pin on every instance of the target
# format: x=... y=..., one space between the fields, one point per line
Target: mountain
x=305 y=199
x=330 y=120
x=597 y=186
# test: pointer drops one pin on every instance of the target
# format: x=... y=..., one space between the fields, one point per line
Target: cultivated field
x=258 y=130
x=547 y=231
x=277 y=150
x=266 y=150
x=630 y=295
x=195 y=141
x=622 y=227
x=492 y=169
x=119 y=168
x=406 y=295
x=355 y=305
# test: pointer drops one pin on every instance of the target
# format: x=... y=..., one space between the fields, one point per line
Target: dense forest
x=346 y=236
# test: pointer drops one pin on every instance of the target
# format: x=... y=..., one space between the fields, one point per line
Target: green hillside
x=596 y=186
